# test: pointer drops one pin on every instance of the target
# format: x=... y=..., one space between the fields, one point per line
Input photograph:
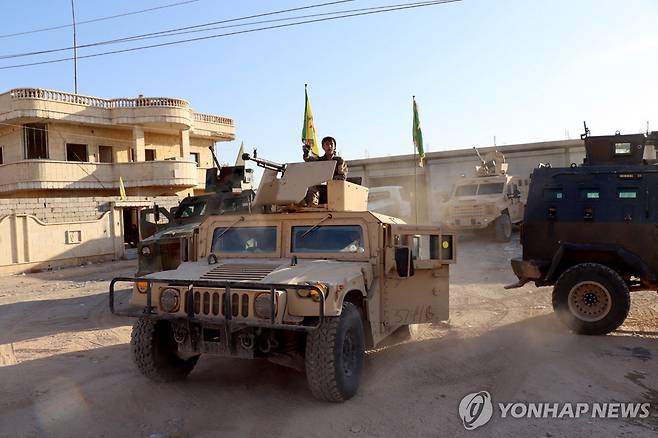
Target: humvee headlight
x=169 y=300
x=263 y=306
x=142 y=286
x=146 y=251
x=305 y=293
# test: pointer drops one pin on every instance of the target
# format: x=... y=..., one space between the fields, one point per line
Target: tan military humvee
x=492 y=200
x=307 y=287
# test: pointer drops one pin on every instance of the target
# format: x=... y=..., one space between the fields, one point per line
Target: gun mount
x=492 y=164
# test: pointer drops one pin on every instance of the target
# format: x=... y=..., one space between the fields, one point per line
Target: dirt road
x=66 y=369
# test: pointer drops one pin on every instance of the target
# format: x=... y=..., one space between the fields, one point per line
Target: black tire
x=154 y=351
x=502 y=228
x=591 y=299
x=334 y=356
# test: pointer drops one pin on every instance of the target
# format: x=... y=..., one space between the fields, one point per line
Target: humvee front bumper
x=226 y=317
x=526 y=270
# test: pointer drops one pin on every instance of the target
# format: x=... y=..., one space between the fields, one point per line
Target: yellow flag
x=122 y=190
x=308 y=130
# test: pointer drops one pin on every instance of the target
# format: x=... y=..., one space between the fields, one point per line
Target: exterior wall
x=435 y=180
x=11 y=140
x=54 y=210
x=28 y=243
x=41 y=233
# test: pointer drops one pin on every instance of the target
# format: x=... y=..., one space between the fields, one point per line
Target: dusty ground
x=66 y=370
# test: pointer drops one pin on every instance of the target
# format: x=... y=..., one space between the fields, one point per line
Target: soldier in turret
x=340 y=173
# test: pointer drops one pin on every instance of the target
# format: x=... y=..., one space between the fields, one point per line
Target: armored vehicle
x=490 y=201
x=590 y=232
x=167 y=246
x=306 y=287
x=389 y=200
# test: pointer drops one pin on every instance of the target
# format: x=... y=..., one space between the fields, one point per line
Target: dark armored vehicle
x=167 y=246
x=591 y=231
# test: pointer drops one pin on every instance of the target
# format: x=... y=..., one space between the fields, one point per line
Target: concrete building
x=433 y=182
x=62 y=156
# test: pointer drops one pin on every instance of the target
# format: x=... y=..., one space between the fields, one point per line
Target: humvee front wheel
x=591 y=299
x=334 y=356
x=502 y=228
x=154 y=351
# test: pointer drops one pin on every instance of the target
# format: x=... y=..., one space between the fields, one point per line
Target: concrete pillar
x=185 y=144
x=139 y=143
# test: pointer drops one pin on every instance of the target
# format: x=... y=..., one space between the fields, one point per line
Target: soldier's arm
x=341 y=169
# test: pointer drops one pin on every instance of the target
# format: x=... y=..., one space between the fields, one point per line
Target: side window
x=627 y=193
x=35 y=140
x=553 y=194
x=427 y=247
x=622 y=149
x=590 y=194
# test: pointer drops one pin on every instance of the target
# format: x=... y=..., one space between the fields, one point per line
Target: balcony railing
x=163 y=112
x=50 y=174
x=98 y=102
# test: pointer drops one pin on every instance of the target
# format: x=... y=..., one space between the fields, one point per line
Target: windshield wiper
x=229 y=227
x=315 y=227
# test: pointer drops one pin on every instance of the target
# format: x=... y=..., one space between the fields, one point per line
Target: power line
x=171 y=31
x=171 y=43
x=95 y=20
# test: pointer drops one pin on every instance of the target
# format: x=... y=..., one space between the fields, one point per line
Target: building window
x=76 y=152
x=196 y=157
x=105 y=154
x=35 y=140
x=149 y=154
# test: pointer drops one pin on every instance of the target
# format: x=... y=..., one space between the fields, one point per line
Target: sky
x=517 y=70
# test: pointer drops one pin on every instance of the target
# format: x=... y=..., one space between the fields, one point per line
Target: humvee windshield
x=481 y=189
x=244 y=240
x=191 y=207
x=328 y=238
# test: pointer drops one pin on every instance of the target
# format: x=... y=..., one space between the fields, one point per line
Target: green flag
x=308 y=130
x=418 y=135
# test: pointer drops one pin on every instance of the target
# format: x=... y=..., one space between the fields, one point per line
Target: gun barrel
x=214 y=157
x=266 y=164
x=478 y=153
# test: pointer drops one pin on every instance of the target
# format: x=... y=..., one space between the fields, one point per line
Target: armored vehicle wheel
x=154 y=350
x=502 y=228
x=334 y=356
x=591 y=299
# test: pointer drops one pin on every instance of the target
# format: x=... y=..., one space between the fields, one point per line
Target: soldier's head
x=329 y=146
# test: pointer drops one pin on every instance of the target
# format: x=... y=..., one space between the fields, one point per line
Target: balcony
x=158 y=112
x=50 y=174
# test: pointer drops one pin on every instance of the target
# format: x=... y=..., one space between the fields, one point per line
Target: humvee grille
x=239 y=272
x=468 y=210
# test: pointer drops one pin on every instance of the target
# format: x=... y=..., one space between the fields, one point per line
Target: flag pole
x=415 y=179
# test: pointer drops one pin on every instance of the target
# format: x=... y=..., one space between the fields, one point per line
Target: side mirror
x=404 y=263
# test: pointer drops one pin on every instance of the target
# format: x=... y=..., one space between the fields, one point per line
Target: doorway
x=130 y=227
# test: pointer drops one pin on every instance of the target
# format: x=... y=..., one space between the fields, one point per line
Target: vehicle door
x=416 y=277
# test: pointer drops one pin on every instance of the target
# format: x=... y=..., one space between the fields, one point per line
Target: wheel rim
x=590 y=301
x=349 y=354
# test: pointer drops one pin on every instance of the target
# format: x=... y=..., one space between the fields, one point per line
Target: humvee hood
x=184 y=230
x=267 y=271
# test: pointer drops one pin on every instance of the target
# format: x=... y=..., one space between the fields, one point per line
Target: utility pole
x=75 y=51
